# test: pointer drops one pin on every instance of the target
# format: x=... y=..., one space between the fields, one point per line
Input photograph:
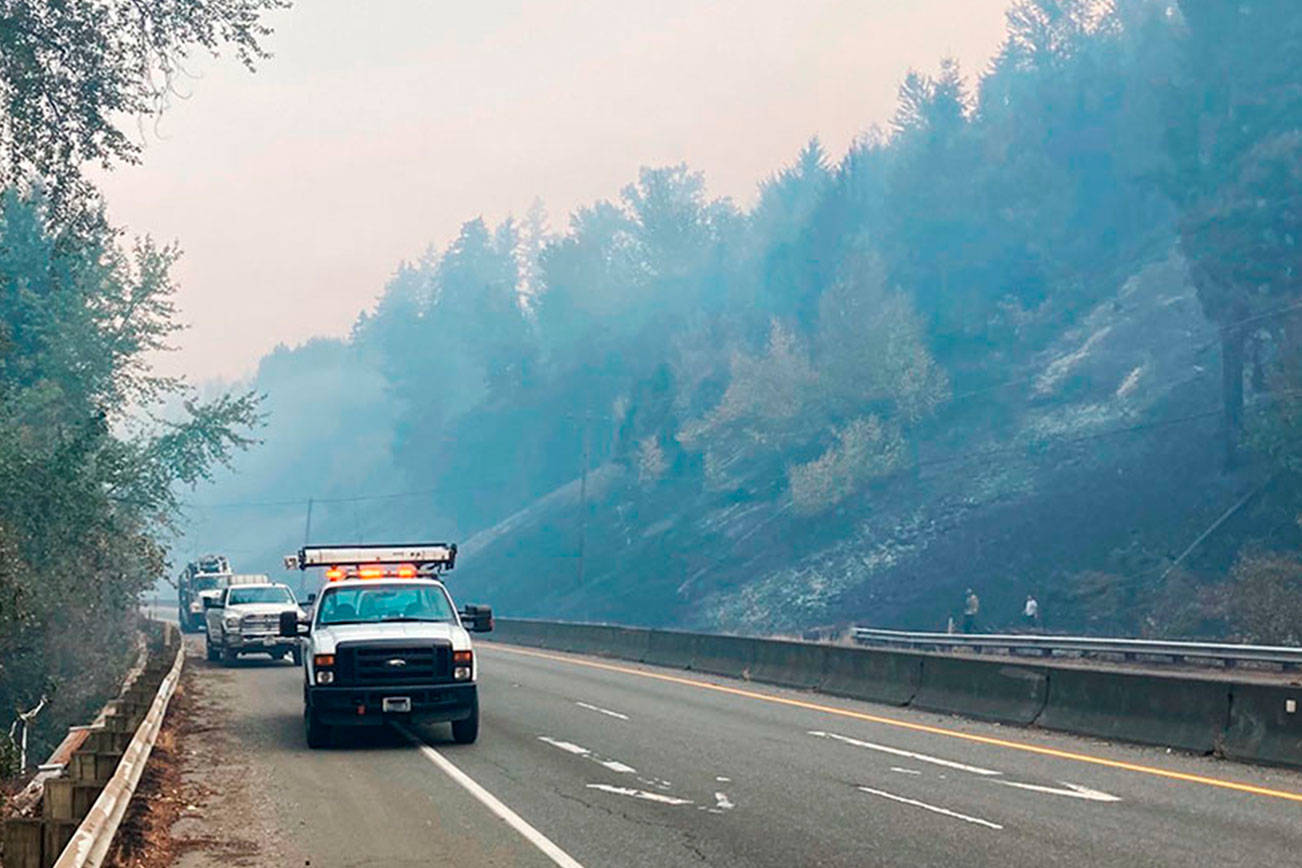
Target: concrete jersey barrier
x=1245 y=721
x=1186 y=713
x=1265 y=723
x=984 y=689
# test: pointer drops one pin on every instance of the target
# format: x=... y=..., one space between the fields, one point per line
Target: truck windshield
x=381 y=603
x=258 y=595
x=206 y=583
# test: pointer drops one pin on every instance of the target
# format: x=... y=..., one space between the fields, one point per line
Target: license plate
x=395 y=703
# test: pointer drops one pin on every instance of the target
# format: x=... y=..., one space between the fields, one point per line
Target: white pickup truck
x=245 y=619
x=385 y=642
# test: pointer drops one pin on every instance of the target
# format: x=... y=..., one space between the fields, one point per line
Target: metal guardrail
x=1227 y=653
x=93 y=839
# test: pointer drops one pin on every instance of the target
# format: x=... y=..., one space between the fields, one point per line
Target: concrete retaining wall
x=1253 y=722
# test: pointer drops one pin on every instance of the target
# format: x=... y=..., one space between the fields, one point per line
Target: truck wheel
x=467 y=730
x=209 y=650
x=318 y=733
x=229 y=656
x=296 y=654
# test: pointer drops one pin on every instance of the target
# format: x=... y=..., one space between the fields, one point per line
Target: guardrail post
x=106 y=740
x=57 y=835
x=68 y=799
x=24 y=842
x=117 y=722
x=93 y=767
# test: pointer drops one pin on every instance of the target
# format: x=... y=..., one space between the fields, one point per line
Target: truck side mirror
x=211 y=602
x=480 y=618
x=311 y=599
x=289 y=624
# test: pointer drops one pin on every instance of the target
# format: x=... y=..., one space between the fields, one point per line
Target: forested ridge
x=983 y=347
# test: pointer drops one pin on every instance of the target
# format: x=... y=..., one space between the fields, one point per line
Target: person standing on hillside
x=971 y=608
x=1031 y=612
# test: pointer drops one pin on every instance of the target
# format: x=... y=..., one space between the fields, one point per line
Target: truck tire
x=296 y=654
x=465 y=731
x=317 y=733
x=229 y=656
x=209 y=650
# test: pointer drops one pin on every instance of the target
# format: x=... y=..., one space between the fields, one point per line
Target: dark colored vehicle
x=204 y=577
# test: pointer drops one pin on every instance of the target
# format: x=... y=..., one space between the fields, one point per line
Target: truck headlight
x=461 y=665
x=325 y=676
x=196 y=606
x=232 y=622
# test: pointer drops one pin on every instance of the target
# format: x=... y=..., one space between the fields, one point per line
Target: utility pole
x=307 y=538
x=583 y=495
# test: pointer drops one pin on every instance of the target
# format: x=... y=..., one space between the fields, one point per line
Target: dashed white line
x=935 y=809
x=1074 y=791
x=920 y=757
x=640 y=794
x=905 y=771
x=488 y=800
x=580 y=750
x=600 y=710
x=722 y=802
x=617 y=766
x=568 y=747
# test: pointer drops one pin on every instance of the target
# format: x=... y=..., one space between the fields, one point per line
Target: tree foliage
x=71 y=75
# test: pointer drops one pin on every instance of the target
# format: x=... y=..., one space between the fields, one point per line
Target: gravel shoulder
x=203 y=801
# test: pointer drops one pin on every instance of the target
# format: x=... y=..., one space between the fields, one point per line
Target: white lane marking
x=566 y=746
x=920 y=757
x=640 y=794
x=617 y=766
x=600 y=710
x=724 y=780
x=722 y=802
x=580 y=750
x=488 y=800
x=1075 y=791
x=905 y=771
x=935 y=809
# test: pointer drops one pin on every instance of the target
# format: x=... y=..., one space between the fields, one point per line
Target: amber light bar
x=378 y=571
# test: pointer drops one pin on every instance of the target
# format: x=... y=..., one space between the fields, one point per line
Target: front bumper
x=363 y=706
x=251 y=642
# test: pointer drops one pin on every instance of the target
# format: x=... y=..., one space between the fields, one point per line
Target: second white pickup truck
x=245 y=619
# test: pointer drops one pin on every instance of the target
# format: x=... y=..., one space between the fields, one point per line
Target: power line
x=299 y=501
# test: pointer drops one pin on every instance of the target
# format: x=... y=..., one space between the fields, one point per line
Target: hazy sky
x=379 y=127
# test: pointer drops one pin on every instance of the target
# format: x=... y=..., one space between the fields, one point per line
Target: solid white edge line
x=935 y=809
x=514 y=820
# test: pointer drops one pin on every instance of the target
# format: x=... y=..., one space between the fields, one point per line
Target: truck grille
x=260 y=624
x=377 y=664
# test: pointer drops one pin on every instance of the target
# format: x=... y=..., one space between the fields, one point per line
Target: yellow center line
x=916 y=727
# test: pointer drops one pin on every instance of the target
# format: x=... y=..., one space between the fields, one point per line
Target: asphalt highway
x=594 y=762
